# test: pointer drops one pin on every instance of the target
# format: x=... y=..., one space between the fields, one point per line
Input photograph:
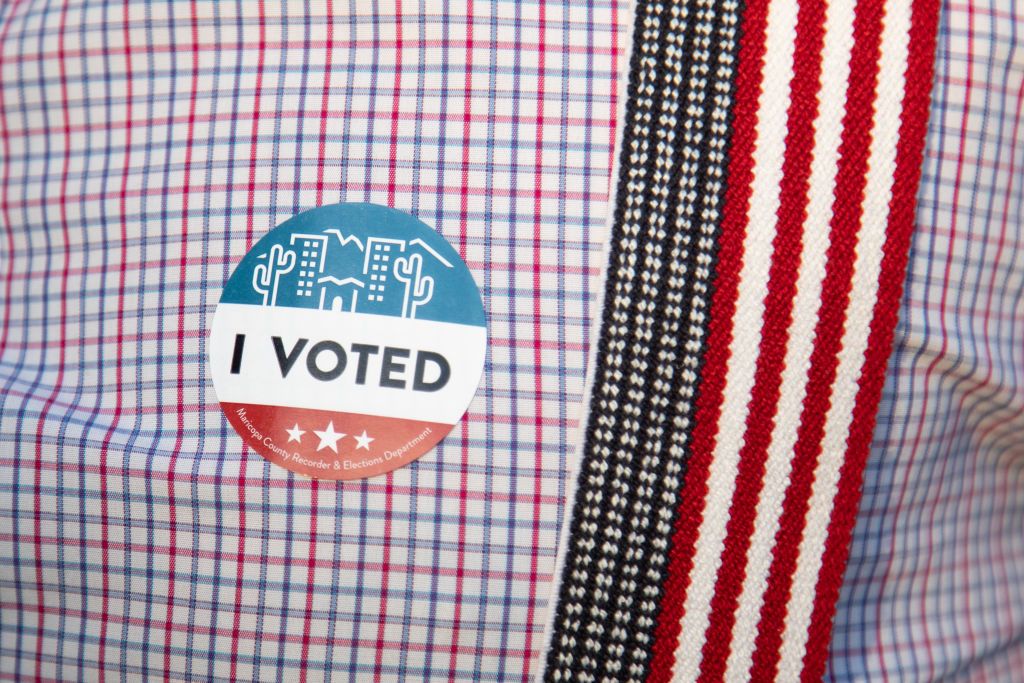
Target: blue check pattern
x=145 y=147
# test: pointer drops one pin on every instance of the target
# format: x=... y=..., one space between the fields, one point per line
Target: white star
x=363 y=441
x=295 y=434
x=328 y=437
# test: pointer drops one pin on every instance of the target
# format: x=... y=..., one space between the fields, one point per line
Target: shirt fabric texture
x=145 y=147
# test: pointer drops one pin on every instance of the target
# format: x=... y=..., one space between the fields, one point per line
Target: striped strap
x=769 y=160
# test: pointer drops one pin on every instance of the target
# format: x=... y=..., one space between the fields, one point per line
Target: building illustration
x=335 y=271
x=339 y=295
x=311 y=250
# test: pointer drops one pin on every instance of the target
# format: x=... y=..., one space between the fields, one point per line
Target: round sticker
x=348 y=342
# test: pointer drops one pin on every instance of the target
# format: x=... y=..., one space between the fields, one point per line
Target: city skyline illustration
x=339 y=271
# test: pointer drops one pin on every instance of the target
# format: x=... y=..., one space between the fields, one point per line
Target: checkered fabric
x=934 y=589
x=145 y=146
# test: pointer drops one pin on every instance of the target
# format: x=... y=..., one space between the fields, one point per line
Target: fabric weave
x=145 y=146
x=759 y=476
x=934 y=589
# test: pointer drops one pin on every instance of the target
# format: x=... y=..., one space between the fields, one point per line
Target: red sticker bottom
x=330 y=445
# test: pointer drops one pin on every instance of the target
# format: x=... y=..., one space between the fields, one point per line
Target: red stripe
x=613 y=104
x=723 y=307
x=325 y=105
x=5 y=209
x=62 y=353
x=538 y=334
x=249 y=229
x=119 y=373
x=778 y=317
x=182 y=279
x=849 y=197
x=235 y=46
x=348 y=640
x=255 y=127
x=296 y=484
x=382 y=620
x=424 y=569
x=380 y=645
x=460 y=561
x=351 y=187
x=307 y=617
x=133 y=265
x=909 y=152
x=396 y=100
x=315 y=485
x=214 y=408
x=5 y=184
x=286 y=115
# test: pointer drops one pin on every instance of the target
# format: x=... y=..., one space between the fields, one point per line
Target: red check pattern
x=145 y=146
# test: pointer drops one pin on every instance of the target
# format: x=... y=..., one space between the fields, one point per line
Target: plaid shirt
x=145 y=147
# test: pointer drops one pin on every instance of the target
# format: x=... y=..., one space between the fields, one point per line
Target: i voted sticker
x=347 y=342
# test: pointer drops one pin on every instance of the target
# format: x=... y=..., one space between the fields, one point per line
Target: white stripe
x=867 y=266
x=768 y=156
x=835 y=67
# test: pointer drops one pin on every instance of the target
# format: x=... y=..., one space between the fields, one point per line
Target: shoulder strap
x=770 y=156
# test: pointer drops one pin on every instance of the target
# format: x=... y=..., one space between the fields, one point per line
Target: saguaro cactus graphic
x=419 y=288
x=266 y=275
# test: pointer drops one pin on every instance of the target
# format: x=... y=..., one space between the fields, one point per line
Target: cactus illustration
x=266 y=275
x=419 y=288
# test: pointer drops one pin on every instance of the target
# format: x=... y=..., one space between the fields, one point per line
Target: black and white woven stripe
x=670 y=189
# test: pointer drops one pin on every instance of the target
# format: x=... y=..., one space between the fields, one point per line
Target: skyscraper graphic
x=384 y=275
x=378 y=264
x=311 y=251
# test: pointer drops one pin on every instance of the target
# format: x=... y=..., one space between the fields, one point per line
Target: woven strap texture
x=769 y=158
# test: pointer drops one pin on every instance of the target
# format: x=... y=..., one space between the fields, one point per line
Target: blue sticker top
x=358 y=258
